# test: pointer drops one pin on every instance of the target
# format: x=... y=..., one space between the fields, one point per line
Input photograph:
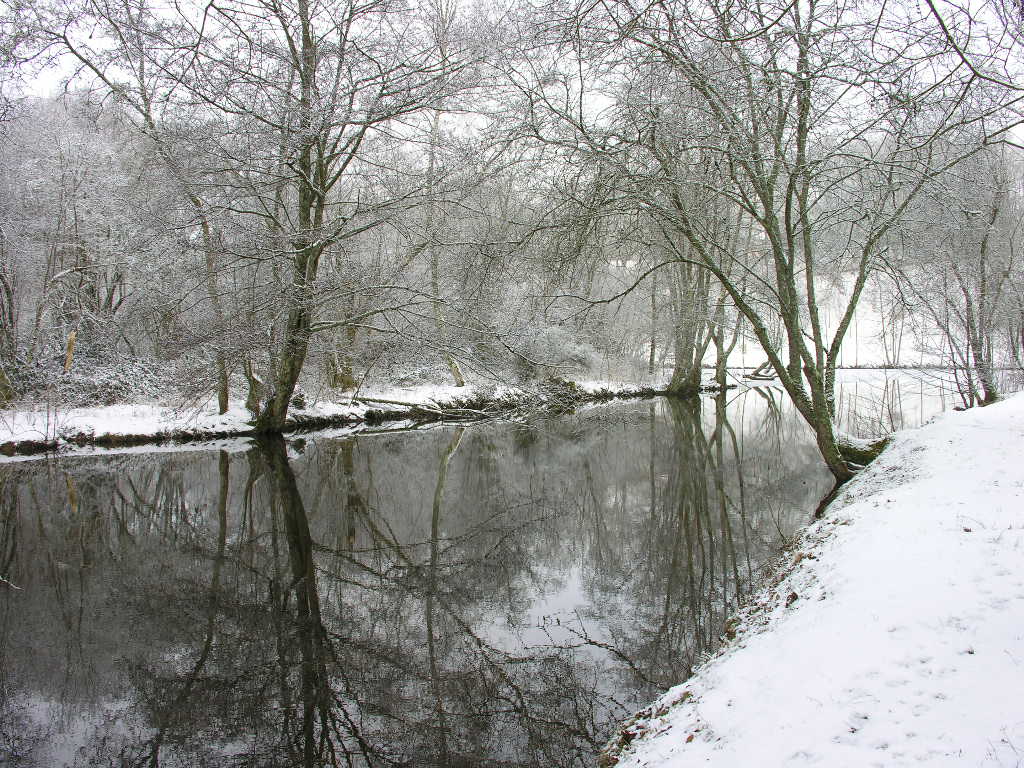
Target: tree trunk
x=688 y=303
x=432 y=215
x=255 y=393
x=291 y=357
x=654 y=324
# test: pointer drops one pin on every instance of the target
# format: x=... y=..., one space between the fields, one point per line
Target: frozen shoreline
x=894 y=632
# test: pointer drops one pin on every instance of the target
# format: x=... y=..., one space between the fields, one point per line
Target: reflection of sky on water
x=562 y=573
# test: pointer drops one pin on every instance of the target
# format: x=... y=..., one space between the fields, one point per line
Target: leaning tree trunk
x=295 y=338
x=295 y=345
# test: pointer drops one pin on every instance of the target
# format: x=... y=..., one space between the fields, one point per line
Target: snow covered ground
x=895 y=634
x=49 y=424
x=63 y=427
x=46 y=425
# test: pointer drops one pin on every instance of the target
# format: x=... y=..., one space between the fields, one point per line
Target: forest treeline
x=254 y=198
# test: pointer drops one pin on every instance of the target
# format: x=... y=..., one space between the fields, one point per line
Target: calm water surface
x=492 y=595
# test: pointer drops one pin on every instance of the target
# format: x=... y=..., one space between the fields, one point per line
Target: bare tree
x=822 y=122
x=961 y=269
x=291 y=98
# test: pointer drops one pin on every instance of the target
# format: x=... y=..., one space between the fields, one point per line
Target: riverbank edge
x=754 y=616
x=553 y=396
x=673 y=721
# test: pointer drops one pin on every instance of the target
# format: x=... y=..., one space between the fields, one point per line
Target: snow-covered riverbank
x=894 y=634
x=35 y=430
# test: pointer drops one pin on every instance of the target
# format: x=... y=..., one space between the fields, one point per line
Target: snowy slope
x=896 y=636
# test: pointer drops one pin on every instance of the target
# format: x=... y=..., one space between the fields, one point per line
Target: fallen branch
x=390 y=402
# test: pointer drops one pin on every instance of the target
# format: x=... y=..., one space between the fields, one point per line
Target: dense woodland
x=253 y=198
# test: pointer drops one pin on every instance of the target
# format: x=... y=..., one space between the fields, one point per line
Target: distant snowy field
x=897 y=635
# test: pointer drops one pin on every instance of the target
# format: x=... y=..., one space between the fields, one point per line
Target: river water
x=499 y=594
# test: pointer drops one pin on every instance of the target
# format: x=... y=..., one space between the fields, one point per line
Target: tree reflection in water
x=478 y=596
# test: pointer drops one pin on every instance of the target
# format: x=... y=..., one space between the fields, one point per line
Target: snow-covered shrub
x=114 y=382
x=555 y=350
x=90 y=382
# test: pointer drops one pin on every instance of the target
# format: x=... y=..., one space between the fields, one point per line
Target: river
x=495 y=594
